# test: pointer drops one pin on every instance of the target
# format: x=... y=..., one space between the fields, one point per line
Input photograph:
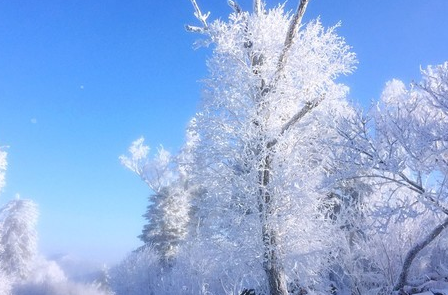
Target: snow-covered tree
x=168 y=212
x=18 y=237
x=270 y=97
x=3 y=166
x=5 y=280
x=405 y=158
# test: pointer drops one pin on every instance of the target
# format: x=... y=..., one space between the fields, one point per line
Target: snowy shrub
x=58 y=288
x=47 y=278
x=195 y=271
x=137 y=274
x=45 y=271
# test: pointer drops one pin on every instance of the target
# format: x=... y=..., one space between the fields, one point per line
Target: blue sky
x=80 y=80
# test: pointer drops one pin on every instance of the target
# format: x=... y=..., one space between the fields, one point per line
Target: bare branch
x=234 y=6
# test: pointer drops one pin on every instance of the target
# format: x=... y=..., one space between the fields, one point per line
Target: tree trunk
x=272 y=264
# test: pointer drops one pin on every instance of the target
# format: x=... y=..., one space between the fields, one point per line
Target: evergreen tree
x=18 y=237
x=168 y=211
x=5 y=283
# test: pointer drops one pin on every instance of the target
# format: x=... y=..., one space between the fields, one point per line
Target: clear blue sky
x=80 y=80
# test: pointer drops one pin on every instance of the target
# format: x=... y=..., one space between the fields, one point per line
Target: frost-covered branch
x=292 y=32
x=257 y=7
x=412 y=254
x=156 y=173
x=235 y=6
x=300 y=114
x=201 y=17
x=194 y=29
x=297 y=117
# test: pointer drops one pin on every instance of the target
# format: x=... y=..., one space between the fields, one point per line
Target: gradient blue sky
x=80 y=80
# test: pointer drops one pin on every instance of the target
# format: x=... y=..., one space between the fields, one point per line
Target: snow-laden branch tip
x=138 y=156
x=292 y=32
x=235 y=6
x=194 y=29
x=199 y=15
x=257 y=7
x=156 y=172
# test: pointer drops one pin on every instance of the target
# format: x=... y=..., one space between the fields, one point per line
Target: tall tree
x=271 y=95
x=18 y=237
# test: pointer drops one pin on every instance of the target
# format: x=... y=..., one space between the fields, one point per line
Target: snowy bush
x=47 y=278
x=195 y=271
x=137 y=274
x=58 y=288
